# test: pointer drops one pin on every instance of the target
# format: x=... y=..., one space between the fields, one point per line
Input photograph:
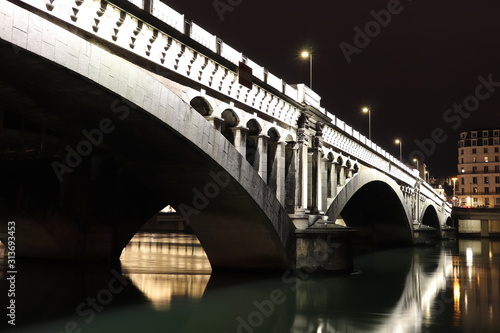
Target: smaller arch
x=254 y=127
x=202 y=106
x=289 y=138
x=231 y=120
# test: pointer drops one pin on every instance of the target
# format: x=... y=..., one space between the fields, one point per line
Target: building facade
x=478 y=181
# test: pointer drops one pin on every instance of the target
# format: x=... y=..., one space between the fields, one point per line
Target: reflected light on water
x=166 y=267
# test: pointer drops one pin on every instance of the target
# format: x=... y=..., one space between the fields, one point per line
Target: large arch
x=150 y=148
x=373 y=204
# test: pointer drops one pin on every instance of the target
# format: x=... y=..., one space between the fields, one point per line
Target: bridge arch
x=155 y=153
x=373 y=203
x=430 y=217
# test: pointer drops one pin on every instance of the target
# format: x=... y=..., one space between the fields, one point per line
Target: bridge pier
x=325 y=247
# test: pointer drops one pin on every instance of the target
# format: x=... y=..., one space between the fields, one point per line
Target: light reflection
x=166 y=267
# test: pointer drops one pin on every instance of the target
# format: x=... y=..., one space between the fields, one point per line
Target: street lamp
x=454 y=179
x=308 y=54
x=367 y=110
x=415 y=160
x=400 y=143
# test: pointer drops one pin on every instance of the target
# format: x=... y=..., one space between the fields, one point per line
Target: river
x=166 y=285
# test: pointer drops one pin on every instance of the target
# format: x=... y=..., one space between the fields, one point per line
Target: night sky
x=419 y=71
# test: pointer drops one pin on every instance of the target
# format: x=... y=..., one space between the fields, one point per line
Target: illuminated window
x=475 y=201
x=486 y=201
x=473 y=159
x=486 y=158
x=474 y=189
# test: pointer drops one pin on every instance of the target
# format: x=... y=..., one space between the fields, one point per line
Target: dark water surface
x=167 y=285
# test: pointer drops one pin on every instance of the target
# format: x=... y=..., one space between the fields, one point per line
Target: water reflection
x=166 y=267
x=454 y=287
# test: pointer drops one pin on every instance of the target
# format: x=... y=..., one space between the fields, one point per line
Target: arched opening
x=230 y=120
x=252 y=153
x=340 y=171
x=272 y=159
x=201 y=105
x=430 y=217
x=378 y=215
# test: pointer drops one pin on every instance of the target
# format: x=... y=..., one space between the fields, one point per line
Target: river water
x=167 y=285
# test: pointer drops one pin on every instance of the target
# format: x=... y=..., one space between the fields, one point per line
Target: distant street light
x=415 y=160
x=400 y=143
x=308 y=54
x=367 y=110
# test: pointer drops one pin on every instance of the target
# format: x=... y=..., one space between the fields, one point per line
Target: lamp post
x=367 y=110
x=400 y=143
x=454 y=179
x=308 y=54
x=415 y=160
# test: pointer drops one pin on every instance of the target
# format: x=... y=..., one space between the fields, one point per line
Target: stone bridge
x=112 y=109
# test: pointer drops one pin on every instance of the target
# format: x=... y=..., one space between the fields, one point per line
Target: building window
x=473 y=150
x=497 y=201
x=485 y=142
x=496 y=149
x=485 y=134
x=474 y=169
x=474 y=159
x=462 y=160
x=474 y=143
x=497 y=179
x=461 y=151
x=485 y=150
x=486 y=201
x=461 y=143
x=474 y=180
x=463 y=135
x=463 y=190
x=497 y=190
x=496 y=133
x=486 y=169
x=496 y=141
x=486 y=180
x=486 y=190
x=497 y=168
x=473 y=134
x=475 y=201
x=462 y=180
x=496 y=159
x=474 y=189
x=486 y=159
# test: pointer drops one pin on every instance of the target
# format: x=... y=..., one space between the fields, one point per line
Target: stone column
x=216 y=122
x=280 y=172
x=333 y=178
x=240 y=139
x=261 y=158
x=324 y=184
x=291 y=176
x=485 y=232
x=301 y=194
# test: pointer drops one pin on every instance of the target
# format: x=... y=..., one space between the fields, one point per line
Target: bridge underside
x=112 y=182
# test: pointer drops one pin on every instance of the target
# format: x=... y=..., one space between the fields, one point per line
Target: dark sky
x=426 y=59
